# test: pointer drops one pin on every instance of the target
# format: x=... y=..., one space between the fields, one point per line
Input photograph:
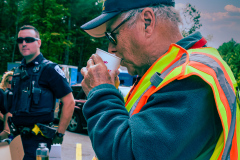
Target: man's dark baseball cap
x=112 y=8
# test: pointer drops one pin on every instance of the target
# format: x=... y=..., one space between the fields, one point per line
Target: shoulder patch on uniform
x=60 y=71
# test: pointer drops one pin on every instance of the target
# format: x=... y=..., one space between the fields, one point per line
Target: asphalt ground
x=77 y=146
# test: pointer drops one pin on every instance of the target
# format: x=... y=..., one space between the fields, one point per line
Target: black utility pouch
x=24 y=75
x=26 y=132
x=24 y=100
x=36 y=93
x=13 y=129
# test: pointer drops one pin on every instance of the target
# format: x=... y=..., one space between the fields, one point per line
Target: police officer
x=36 y=84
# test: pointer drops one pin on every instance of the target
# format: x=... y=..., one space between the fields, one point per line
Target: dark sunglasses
x=110 y=35
x=10 y=82
x=27 y=39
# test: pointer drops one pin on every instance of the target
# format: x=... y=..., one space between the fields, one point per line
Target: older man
x=184 y=105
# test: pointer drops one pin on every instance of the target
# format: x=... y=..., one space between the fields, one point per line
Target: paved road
x=69 y=146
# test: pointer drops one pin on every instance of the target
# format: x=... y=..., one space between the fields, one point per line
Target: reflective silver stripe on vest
x=230 y=95
x=135 y=104
x=176 y=64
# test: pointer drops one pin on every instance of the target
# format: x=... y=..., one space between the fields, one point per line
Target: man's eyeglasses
x=27 y=39
x=110 y=35
x=10 y=82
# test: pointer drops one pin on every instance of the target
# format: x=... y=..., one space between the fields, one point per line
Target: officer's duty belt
x=44 y=130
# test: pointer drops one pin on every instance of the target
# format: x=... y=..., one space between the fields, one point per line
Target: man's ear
x=148 y=18
x=39 y=43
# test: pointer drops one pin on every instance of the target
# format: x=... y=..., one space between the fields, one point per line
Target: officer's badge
x=60 y=71
x=36 y=69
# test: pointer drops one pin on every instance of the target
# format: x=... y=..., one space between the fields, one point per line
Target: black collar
x=34 y=62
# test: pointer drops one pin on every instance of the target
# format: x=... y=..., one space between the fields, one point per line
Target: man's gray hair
x=162 y=12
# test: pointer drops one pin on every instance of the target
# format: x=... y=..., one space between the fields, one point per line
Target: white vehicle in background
x=124 y=90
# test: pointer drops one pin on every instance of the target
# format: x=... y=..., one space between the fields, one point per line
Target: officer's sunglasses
x=27 y=39
x=10 y=82
x=111 y=36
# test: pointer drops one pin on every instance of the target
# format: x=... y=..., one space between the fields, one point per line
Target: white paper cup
x=110 y=60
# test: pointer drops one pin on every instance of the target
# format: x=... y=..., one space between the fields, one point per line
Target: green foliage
x=49 y=18
x=230 y=53
x=58 y=22
x=191 y=20
x=8 y=15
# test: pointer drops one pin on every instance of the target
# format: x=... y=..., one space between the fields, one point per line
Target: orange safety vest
x=206 y=63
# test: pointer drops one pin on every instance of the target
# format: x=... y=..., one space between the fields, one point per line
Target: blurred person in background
x=4 y=86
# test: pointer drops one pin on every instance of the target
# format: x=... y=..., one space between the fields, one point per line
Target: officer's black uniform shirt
x=52 y=78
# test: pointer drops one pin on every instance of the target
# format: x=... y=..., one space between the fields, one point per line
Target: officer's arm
x=6 y=127
x=1 y=116
x=6 y=131
x=67 y=112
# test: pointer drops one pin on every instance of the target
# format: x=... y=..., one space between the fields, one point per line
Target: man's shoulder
x=47 y=62
x=53 y=69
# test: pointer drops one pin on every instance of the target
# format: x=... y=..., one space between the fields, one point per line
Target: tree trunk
x=16 y=33
x=80 y=64
x=66 y=59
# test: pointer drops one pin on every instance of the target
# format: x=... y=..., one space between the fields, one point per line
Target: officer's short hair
x=30 y=27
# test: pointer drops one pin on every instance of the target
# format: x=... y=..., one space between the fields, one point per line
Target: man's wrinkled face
x=129 y=45
x=28 y=49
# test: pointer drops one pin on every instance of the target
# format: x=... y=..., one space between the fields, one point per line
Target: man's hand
x=1 y=116
x=3 y=135
x=57 y=140
x=96 y=73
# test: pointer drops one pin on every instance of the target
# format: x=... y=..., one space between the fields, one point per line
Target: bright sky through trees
x=220 y=19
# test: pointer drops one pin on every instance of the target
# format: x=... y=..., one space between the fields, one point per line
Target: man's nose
x=24 y=43
x=112 y=48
